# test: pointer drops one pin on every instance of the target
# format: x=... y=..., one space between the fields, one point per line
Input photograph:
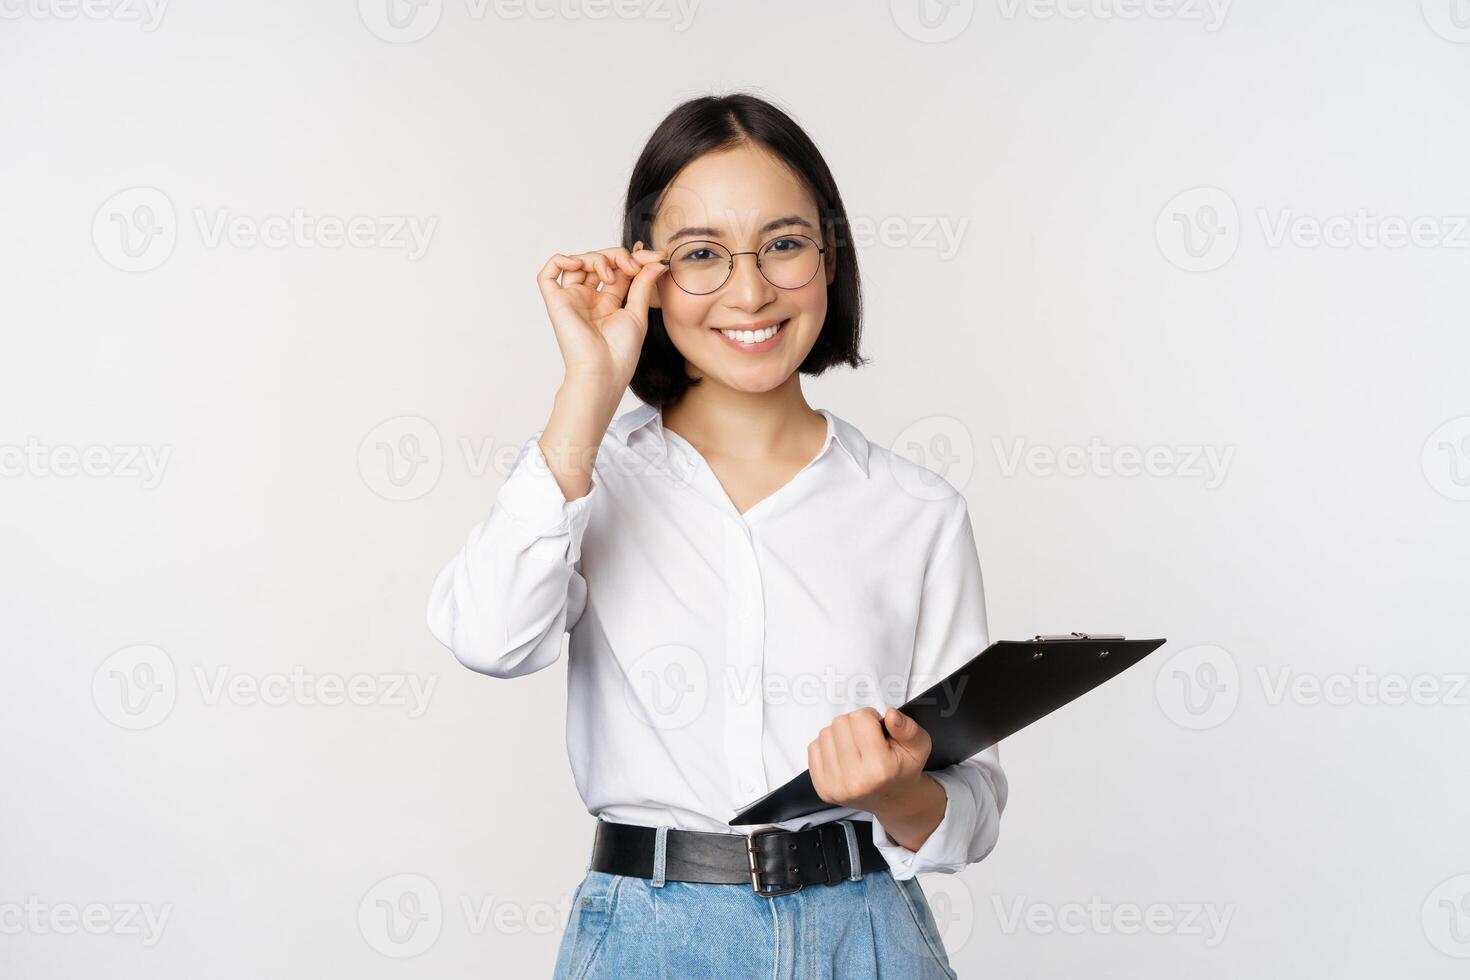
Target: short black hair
x=711 y=123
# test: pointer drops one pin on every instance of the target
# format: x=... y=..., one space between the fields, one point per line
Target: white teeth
x=752 y=336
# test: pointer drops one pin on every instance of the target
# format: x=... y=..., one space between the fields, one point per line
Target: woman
x=749 y=584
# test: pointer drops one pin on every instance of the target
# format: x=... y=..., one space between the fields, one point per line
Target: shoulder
x=924 y=498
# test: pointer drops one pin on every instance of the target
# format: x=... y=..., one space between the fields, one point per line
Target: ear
x=830 y=256
x=655 y=295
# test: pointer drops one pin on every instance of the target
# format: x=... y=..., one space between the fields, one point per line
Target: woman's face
x=743 y=199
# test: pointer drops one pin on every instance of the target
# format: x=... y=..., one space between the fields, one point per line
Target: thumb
x=907 y=737
x=901 y=727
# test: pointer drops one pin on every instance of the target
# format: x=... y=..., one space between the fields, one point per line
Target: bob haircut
x=713 y=123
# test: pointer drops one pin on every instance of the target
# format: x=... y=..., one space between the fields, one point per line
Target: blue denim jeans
x=630 y=928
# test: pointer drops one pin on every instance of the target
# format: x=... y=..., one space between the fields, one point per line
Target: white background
x=1078 y=156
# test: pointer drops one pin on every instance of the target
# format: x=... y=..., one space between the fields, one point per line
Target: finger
x=589 y=272
x=556 y=266
x=823 y=775
x=868 y=734
x=827 y=749
x=615 y=280
x=576 y=274
x=597 y=265
x=844 y=735
x=640 y=293
x=627 y=263
x=908 y=735
x=618 y=259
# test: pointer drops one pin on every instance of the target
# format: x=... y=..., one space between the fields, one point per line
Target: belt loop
x=854 y=859
x=660 y=856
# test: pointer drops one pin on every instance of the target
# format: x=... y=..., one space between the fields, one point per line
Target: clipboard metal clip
x=1051 y=637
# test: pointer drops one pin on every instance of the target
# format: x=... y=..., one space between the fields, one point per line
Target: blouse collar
x=839 y=430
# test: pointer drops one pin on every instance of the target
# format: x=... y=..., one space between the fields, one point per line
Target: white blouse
x=709 y=647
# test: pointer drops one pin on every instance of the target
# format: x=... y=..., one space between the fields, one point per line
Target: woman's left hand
x=854 y=765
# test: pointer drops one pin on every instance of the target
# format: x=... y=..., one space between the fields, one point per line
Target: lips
x=758 y=346
x=763 y=324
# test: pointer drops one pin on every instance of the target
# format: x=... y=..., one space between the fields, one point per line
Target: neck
x=722 y=421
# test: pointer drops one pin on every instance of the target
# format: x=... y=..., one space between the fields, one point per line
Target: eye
x=786 y=245
x=698 y=255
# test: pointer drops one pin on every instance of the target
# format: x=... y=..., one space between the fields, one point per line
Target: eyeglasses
x=787 y=262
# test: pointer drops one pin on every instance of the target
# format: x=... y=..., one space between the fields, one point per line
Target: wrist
x=595 y=391
x=913 y=812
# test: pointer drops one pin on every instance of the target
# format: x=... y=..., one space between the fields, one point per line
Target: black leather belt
x=772 y=862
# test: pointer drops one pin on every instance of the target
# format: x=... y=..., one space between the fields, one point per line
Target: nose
x=747 y=288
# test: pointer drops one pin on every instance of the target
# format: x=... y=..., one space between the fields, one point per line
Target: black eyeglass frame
x=730 y=266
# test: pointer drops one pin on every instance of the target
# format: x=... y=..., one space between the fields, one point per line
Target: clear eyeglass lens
x=787 y=262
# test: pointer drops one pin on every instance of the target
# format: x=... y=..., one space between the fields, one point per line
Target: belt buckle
x=755 y=871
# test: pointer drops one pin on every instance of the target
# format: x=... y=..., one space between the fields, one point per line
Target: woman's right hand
x=600 y=331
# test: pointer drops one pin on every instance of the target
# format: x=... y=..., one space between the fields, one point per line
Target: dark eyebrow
x=772 y=225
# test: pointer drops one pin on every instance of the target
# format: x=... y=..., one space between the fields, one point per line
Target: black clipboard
x=998 y=692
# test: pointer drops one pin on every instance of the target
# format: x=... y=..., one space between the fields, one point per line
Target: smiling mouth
x=750 y=337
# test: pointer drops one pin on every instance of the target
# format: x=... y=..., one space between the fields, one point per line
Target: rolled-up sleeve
x=951 y=630
x=503 y=603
